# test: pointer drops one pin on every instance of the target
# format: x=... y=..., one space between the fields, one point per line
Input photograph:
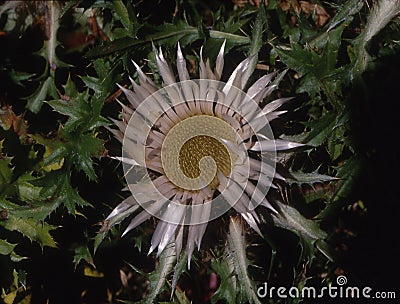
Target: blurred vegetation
x=59 y=65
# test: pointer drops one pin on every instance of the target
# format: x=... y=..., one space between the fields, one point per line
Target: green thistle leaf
x=46 y=88
x=237 y=254
x=82 y=253
x=311 y=178
x=260 y=26
x=167 y=34
x=180 y=268
x=32 y=229
x=6 y=248
x=228 y=287
x=158 y=277
x=87 y=147
x=77 y=111
x=307 y=230
x=56 y=185
x=122 y=12
x=347 y=173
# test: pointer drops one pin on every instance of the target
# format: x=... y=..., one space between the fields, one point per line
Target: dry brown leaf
x=124 y=278
x=242 y=3
x=258 y=2
x=8 y=119
x=285 y=5
x=319 y=13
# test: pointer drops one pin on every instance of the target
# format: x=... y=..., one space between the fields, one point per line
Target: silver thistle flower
x=197 y=148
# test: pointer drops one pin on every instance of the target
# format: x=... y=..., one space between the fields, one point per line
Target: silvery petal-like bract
x=194 y=149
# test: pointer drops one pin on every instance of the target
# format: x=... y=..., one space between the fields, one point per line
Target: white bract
x=195 y=149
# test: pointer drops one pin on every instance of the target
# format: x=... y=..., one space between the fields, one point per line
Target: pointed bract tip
x=136 y=65
x=222 y=49
x=150 y=250
x=131 y=79
x=160 y=52
x=179 y=51
x=120 y=103
x=122 y=88
x=125 y=232
x=189 y=260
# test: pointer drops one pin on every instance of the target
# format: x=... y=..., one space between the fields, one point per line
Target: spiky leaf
x=307 y=230
x=158 y=277
x=82 y=253
x=237 y=253
x=46 y=88
x=228 y=287
x=6 y=248
x=35 y=231
x=311 y=178
x=122 y=12
x=179 y=268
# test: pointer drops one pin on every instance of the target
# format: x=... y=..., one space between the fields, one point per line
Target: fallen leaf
x=285 y=5
x=242 y=3
x=8 y=119
x=319 y=13
x=89 y=272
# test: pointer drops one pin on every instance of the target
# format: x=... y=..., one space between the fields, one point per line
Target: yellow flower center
x=192 y=152
x=201 y=146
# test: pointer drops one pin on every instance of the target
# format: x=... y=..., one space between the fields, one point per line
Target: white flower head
x=195 y=149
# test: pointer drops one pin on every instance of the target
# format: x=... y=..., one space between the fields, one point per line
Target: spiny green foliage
x=17 y=214
x=27 y=199
x=240 y=287
x=158 y=277
x=52 y=11
x=311 y=178
x=227 y=290
x=36 y=168
x=307 y=230
x=170 y=34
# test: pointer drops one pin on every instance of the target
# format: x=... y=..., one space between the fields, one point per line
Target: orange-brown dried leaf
x=97 y=31
x=242 y=3
x=8 y=119
x=285 y=5
x=114 y=95
x=320 y=14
